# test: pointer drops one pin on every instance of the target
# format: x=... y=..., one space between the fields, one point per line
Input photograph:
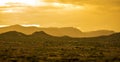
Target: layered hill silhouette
x=65 y=31
x=43 y=35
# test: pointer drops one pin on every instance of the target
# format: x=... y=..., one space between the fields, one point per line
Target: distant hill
x=65 y=31
x=42 y=34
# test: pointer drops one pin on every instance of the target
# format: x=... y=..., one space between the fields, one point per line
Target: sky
x=87 y=15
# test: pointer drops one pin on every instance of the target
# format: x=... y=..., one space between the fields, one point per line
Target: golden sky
x=88 y=15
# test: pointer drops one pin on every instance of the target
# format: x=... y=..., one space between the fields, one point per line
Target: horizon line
x=39 y=26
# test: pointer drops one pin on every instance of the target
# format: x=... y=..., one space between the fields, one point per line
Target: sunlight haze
x=87 y=15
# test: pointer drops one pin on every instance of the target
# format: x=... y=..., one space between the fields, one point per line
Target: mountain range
x=42 y=36
x=54 y=31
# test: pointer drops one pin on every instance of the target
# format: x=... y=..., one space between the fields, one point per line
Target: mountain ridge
x=16 y=33
x=64 y=31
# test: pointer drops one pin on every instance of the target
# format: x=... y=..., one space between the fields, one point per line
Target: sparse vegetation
x=41 y=47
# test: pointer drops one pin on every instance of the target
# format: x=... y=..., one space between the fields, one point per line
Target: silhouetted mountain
x=19 y=28
x=115 y=35
x=41 y=34
x=65 y=31
x=12 y=36
x=13 y=33
x=98 y=33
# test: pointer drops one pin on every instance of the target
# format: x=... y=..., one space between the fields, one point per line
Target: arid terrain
x=42 y=47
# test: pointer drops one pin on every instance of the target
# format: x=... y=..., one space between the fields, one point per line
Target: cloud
x=46 y=6
x=56 y=5
x=100 y=5
x=96 y=2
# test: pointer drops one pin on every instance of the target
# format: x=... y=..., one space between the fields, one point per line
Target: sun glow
x=24 y=25
x=24 y=2
x=30 y=25
x=13 y=10
x=4 y=26
x=18 y=6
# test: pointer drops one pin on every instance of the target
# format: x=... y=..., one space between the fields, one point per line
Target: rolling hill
x=65 y=31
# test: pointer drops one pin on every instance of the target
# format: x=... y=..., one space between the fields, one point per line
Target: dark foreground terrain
x=41 y=47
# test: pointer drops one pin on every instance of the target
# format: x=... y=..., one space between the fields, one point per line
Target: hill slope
x=65 y=31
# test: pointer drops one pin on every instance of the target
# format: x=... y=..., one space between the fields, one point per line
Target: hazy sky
x=88 y=15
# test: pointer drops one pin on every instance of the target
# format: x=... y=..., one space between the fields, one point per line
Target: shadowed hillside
x=65 y=31
x=41 y=47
